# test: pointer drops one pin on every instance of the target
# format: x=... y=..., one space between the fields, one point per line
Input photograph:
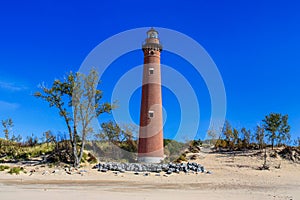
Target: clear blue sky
x=255 y=44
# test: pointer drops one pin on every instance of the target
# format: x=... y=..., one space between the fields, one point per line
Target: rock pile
x=156 y=168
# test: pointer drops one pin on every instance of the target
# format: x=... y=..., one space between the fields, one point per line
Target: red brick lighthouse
x=150 y=146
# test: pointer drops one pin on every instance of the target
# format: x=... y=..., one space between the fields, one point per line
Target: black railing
x=152 y=46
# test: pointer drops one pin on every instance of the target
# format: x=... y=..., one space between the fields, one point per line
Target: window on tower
x=151 y=71
x=151 y=113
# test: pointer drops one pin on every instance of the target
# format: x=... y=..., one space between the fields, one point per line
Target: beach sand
x=233 y=177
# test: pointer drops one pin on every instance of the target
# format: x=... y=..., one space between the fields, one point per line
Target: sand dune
x=233 y=177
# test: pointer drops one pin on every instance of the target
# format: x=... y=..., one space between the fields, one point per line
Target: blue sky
x=255 y=45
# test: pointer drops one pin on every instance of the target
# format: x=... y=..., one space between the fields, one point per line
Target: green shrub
x=84 y=157
x=196 y=143
x=88 y=157
x=16 y=170
x=51 y=165
x=92 y=159
x=181 y=159
x=3 y=167
x=221 y=143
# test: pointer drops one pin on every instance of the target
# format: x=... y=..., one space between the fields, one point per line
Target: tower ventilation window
x=151 y=70
x=151 y=113
x=152 y=52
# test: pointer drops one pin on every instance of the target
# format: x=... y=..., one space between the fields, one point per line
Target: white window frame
x=151 y=70
x=151 y=113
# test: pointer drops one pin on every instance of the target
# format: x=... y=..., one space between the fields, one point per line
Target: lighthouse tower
x=150 y=145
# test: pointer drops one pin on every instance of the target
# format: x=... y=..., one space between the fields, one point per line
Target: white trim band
x=148 y=159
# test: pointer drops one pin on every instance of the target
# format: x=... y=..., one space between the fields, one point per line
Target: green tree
x=277 y=127
x=121 y=140
x=284 y=131
x=79 y=92
x=16 y=138
x=111 y=132
x=13 y=138
x=48 y=137
x=228 y=133
x=31 y=140
x=116 y=134
x=7 y=127
x=235 y=134
x=19 y=138
x=247 y=136
x=259 y=136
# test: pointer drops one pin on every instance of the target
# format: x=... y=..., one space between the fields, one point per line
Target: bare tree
x=297 y=142
x=7 y=125
x=259 y=136
x=212 y=135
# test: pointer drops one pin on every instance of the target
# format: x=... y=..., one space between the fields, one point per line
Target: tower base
x=148 y=159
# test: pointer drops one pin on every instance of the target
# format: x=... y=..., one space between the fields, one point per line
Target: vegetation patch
x=16 y=170
x=182 y=158
x=3 y=167
x=290 y=153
